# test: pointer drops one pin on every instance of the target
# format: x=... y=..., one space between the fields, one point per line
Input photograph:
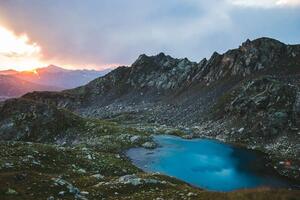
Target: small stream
x=207 y=164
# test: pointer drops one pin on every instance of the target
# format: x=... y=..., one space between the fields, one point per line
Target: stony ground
x=43 y=171
x=38 y=164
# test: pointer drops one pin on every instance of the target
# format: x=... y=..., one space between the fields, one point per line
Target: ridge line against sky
x=97 y=34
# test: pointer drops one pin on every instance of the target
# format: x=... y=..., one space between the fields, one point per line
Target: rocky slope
x=89 y=163
x=30 y=121
x=262 y=75
x=262 y=113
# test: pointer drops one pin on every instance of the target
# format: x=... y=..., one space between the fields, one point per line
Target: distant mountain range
x=52 y=78
x=11 y=86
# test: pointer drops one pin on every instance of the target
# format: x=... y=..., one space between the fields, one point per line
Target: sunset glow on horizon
x=18 y=52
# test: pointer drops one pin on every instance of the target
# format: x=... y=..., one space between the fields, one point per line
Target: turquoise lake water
x=207 y=164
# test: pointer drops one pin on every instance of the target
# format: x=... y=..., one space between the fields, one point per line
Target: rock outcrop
x=263 y=113
x=27 y=120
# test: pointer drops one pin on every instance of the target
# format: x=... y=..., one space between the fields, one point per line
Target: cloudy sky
x=101 y=33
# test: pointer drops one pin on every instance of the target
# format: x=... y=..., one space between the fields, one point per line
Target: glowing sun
x=17 y=52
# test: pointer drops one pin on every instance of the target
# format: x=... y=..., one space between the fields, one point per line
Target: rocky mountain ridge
x=164 y=72
x=247 y=95
x=167 y=82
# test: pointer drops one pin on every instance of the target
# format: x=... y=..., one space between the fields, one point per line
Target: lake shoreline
x=268 y=169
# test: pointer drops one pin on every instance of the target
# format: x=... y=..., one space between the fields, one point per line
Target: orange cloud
x=17 y=52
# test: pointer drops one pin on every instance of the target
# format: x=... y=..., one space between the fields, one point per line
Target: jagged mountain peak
x=156 y=59
x=52 y=68
x=159 y=60
x=262 y=41
x=262 y=54
x=164 y=72
x=262 y=44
